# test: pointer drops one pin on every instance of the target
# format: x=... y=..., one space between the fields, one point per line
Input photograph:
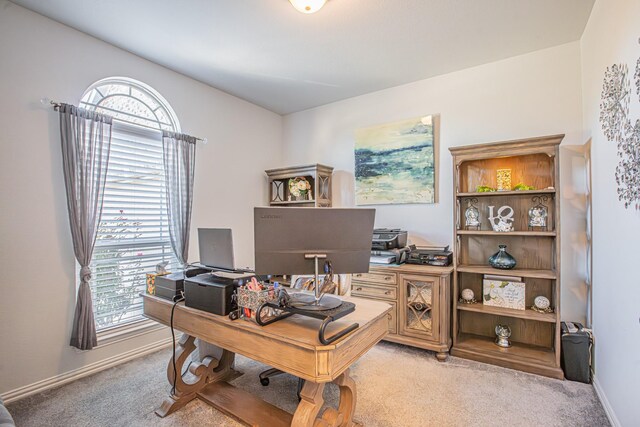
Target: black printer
x=172 y=285
x=211 y=293
x=385 y=239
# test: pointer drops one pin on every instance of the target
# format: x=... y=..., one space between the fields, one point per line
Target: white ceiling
x=266 y=52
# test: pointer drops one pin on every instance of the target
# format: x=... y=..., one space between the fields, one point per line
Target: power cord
x=173 y=339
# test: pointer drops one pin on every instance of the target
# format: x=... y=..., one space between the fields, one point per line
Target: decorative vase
x=502 y=259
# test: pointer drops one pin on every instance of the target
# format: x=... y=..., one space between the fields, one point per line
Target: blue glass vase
x=502 y=259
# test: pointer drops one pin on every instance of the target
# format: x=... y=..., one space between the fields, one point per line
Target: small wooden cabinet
x=420 y=297
x=318 y=176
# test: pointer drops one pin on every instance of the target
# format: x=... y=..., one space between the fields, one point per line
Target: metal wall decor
x=472 y=215
x=503 y=220
x=614 y=107
x=637 y=76
x=538 y=214
x=618 y=126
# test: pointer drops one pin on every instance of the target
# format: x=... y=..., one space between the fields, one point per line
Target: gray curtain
x=179 y=166
x=86 y=142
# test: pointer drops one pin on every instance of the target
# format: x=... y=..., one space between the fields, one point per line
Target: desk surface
x=290 y=345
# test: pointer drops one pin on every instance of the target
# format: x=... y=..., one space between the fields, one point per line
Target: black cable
x=173 y=338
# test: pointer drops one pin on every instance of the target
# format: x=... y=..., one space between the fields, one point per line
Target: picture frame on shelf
x=504 y=292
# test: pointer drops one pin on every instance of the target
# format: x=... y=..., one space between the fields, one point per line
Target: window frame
x=119 y=332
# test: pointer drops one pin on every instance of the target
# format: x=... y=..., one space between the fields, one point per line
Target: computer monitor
x=287 y=240
x=216 y=248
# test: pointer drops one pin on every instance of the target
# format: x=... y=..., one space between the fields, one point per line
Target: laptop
x=216 y=252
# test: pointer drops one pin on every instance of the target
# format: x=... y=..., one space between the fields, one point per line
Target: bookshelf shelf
x=510 y=233
x=520 y=272
x=507 y=312
x=507 y=193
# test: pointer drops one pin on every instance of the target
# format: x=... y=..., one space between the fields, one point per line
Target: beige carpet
x=397 y=386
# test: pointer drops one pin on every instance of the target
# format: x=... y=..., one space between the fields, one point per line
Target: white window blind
x=133 y=234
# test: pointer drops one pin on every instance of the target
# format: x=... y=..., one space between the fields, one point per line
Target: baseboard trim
x=67 y=377
x=605 y=403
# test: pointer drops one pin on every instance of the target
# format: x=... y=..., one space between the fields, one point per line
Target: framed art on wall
x=396 y=163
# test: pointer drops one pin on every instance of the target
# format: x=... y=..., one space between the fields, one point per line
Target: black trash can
x=576 y=352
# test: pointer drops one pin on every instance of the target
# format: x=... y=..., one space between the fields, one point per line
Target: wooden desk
x=290 y=345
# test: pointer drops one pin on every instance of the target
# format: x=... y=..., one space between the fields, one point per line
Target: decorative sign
x=503 y=292
x=503 y=221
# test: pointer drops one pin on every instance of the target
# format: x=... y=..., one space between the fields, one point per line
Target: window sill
x=125 y=332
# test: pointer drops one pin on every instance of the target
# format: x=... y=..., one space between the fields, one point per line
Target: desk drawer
x=378 y=278
x=365 y=290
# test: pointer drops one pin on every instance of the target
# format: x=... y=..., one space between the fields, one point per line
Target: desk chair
x=342 y=284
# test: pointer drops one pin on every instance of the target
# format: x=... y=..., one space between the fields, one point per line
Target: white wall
x=38 y=58
x=531 y=95
x=612 y=36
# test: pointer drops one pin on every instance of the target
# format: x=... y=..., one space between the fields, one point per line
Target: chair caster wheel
x=264 y=381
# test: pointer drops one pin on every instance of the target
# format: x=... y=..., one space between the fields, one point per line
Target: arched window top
x=130 y=101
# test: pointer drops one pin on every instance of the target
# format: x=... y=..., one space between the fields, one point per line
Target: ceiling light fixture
x=308 y=6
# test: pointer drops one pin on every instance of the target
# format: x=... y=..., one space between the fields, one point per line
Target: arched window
x=133 y=235
x=130 y=101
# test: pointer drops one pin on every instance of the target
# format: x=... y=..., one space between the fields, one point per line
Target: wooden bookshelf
x=535 y=336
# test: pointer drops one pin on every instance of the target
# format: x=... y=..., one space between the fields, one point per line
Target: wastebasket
x=576 y=352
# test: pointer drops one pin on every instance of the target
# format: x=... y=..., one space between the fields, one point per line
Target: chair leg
x=264 y=380
x=264 y=376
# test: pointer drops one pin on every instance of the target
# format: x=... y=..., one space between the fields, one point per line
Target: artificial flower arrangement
x=299 y=187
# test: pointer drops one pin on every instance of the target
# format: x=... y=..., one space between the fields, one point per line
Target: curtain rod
x=57 y=105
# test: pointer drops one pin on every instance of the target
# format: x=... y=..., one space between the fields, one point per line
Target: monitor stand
x=309 y=302
x=315 y=302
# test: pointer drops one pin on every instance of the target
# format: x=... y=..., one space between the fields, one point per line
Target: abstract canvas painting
x=396 y=163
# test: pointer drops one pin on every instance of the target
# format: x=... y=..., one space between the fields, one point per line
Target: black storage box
x=171 y=285
x=576 y=353
x=210 y=293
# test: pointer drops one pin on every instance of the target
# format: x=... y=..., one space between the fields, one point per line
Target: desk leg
x=198 y=376
x=309 y=406
x=312 y=401
x=348 y=399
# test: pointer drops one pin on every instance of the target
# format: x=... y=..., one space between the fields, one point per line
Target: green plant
x=484 y=189
x=523 y=187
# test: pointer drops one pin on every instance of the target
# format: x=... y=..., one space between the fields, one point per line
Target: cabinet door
x=392 y=317
x=418 y=306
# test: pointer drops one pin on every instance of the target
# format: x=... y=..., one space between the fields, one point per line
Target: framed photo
x=503 y=291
